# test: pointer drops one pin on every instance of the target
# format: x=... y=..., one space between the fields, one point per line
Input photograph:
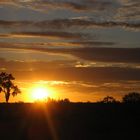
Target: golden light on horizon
x=40 y=93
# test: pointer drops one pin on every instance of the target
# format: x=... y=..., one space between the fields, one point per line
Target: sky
x=83 y=50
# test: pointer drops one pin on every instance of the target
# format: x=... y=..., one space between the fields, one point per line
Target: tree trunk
x=7 y=95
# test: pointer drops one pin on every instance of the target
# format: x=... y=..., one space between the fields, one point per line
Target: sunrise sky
x=77 y=49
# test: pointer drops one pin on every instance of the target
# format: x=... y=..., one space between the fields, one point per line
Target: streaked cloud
x=51 y=70
x=79 y=5
x=123 y=9
x=70 y=23
x=97 y=54
x=130 y=10
x=52 y=34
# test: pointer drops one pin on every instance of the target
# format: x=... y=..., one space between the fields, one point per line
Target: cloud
x=34 y=65
x=124 y=10
x=102 y=74
x=79 y=5
x=94 y=43
x=130 y=10
x=88 y=23
x=10 y=24
x=61 y=38
x=6 y=2
x=52 y=34
x=113 y=88
x=128 y=55
x=60 y=24
x=95 y=54
x=52 y=70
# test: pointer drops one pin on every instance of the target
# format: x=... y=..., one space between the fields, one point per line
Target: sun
x=39 y=93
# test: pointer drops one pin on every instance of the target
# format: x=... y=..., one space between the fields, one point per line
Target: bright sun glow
x=40 y=93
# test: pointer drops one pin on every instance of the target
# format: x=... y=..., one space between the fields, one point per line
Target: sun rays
x=40 y=92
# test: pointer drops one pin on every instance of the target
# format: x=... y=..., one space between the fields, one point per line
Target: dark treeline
x=132 y=97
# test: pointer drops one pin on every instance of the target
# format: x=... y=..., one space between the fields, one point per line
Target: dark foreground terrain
x=69 y=121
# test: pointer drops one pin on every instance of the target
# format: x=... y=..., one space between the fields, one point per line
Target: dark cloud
x=59 y=5
x=65 y=71
x=110 y=74
x=69 y=23
x=100 y=54
x=88 y=23
x=34 y=65
x=116 y=9
x=123 y=9
x=128 y=55
x=79 y=5
x=14 y=24
x=94 y=43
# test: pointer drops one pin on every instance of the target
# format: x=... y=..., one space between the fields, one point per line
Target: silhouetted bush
x=108 y=99
x=51 y=100
x=133 y=97
x=66 y=100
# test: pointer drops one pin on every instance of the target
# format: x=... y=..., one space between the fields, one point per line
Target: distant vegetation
x=53 y=101
x=132 y=97
x=109 y=99
x=66 y=100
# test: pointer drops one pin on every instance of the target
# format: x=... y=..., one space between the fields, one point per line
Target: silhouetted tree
x=7 y=86
x=109 y=99
x=66 y=100
x=132 y=97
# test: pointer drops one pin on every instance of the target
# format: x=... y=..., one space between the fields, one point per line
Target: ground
x=69 y=121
